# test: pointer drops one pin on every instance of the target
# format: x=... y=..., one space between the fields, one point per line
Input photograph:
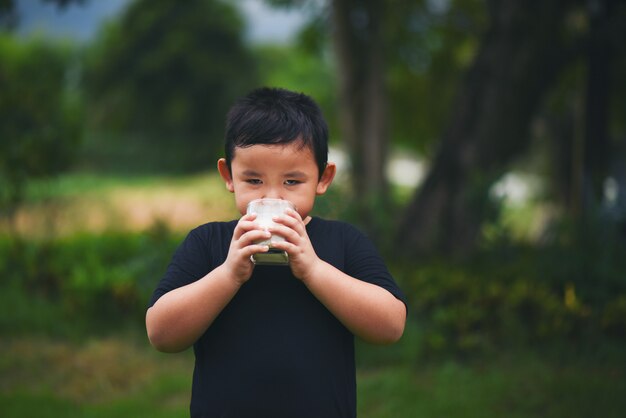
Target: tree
x=358 y=28
x=607 y=21
x=358 y=38
x=375 y=45
x=40 y=120
x=520 y=57
x=429 y=47
x=165 y=75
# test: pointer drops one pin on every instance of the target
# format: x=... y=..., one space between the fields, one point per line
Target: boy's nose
x=272 y=194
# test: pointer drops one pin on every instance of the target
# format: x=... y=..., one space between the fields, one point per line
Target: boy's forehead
x=284 y=158
x=293 y=149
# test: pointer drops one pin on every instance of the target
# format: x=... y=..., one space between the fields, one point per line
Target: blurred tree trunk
x=519 y=57
x=584 y=154
x=597 y=145
x=358 y=42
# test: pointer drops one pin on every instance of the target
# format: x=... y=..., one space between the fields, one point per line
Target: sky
x=81 y=22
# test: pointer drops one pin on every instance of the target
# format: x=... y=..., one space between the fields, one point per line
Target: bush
x=83 y=283
x=515 y=297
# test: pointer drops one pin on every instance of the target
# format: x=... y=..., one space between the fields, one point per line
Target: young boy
x=275 y=341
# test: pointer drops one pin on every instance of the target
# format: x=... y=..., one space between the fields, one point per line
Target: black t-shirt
x=275 y=350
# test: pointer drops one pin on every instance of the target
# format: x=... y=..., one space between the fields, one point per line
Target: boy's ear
x=222 y=167
x=326 y=179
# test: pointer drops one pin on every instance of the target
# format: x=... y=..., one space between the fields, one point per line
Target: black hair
x=271 y=116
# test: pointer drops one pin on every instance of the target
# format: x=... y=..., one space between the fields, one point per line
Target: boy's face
x=284 y=171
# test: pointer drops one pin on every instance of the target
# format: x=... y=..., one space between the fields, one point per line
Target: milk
x=265 y=210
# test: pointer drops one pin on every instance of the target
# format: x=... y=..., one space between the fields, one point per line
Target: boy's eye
x=253 y=181
x=292 y=182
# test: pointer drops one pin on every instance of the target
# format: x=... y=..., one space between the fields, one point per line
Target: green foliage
x=430 y=47
x=515 y=295
x=40 y=121
x=164 y=77
x=588 y=255
x=468 y=313
x=81 y=283
x=299 y=68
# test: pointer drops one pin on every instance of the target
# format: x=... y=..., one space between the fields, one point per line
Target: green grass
x=78 y=184
x=160 y=401
x=115 y=376
x=122 y=376
x=527 y=386
x=551 y=381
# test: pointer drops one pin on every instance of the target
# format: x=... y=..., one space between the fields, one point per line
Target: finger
x=293 y=213
x=284 y=246
x=285 y=231
x=253 y=236
x=295 y=252
x=291 y=221
x=244 y=225
x=246 y=252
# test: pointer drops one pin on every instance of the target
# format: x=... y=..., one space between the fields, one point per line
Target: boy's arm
x=367 y=310
x=182 y=315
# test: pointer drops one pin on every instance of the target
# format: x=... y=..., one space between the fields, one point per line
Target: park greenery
x=516 y=307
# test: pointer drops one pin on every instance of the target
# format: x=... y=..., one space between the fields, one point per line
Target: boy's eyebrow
x=251 y=173
x=292 y=174
x=296 y=174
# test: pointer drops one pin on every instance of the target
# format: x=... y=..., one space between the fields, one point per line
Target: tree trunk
x=518 y=59
x=583 y=153
x=358 y=41
x=596 y=150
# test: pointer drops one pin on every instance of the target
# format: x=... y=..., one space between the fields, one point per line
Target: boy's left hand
x=302 y=257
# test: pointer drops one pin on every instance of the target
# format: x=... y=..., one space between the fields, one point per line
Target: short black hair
x=273 y=116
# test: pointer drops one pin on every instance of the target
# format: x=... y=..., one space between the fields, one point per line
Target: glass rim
x=267 y=202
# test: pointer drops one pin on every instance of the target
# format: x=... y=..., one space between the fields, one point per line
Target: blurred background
x=482 y=145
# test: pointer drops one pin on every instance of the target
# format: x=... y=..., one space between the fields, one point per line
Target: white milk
x=265 y=210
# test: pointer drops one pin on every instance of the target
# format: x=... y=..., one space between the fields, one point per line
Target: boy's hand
x=242 y=246
x=302 y=257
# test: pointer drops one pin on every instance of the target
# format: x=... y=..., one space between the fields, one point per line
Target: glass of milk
x=265 y=210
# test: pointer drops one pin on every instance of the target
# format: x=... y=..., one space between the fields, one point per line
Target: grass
x=99 y=377
x=122 y=376
x=550 y=381
x=529 y=386
x=76 y=203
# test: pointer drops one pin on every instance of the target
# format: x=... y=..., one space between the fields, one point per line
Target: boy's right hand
x=242 y=246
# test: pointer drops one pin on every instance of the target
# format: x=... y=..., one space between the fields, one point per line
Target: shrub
x=520 y=299
x=82 y=283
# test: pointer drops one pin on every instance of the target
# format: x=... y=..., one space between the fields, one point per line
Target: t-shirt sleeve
x=190 y=262
x=364 y=262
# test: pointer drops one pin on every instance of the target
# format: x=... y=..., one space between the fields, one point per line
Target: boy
x=275 y=341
